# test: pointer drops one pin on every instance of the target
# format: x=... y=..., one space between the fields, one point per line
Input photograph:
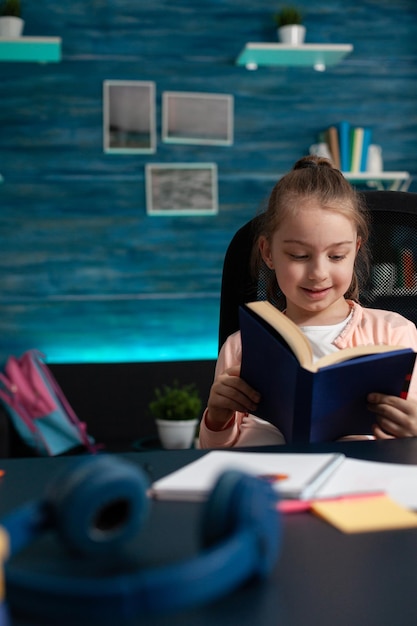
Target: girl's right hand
x=228 y=394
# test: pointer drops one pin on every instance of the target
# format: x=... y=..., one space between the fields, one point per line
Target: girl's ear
x=358 y=244
x=265 y=250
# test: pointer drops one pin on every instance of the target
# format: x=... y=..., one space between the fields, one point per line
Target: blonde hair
x=313 y=177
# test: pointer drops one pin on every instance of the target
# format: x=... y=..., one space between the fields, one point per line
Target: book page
x=353 y=353
x=300 y=345
x=355 y=476
x=293 y=336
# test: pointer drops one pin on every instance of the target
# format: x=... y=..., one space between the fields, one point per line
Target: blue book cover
x=305 y=403
x=367 y=140
x=344 y=145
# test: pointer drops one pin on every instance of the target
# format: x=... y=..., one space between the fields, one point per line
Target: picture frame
x=181 y=189
x=129 y=118
x=197 y=118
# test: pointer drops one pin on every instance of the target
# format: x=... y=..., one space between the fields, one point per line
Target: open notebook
x=294 y=475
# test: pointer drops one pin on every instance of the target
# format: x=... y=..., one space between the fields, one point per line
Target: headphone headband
x=240 y=535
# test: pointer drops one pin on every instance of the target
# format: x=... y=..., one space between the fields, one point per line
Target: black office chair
x=393 y=239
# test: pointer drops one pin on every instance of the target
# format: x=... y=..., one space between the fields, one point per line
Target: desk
x=323 y=577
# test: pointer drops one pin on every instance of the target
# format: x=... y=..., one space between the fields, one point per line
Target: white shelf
x=318 y=56
x=38 y=49
x=394 y=181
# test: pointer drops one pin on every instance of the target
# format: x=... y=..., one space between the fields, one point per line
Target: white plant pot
x=292 y=35
x=374 y=162
x=176 y=434
x=11 y=27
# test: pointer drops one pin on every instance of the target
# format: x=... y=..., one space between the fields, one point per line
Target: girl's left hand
x=395 y=417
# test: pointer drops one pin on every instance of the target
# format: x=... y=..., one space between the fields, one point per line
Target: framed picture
x=181 y=189
x=197 y=118
x=129 y=117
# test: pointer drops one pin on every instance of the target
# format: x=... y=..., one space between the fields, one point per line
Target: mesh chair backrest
x=392 y=281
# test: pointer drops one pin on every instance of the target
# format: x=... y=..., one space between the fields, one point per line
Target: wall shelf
x=391 y=181
x=318 y=56
x=394 y=181
x=33 y=49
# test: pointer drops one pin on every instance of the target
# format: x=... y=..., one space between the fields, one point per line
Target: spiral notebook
x=293 y=475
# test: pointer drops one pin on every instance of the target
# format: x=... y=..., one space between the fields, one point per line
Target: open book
x=306 y=476
x=319 y=401
x=294 y=475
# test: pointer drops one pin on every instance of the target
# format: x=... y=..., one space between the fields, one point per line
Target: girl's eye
x=299 y=257
x=337 y=257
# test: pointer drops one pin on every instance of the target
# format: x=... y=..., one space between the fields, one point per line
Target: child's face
x=313 y=254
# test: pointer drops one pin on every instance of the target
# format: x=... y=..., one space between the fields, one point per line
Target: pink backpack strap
x=33 y=393
x=10 y=397
x=81 y=426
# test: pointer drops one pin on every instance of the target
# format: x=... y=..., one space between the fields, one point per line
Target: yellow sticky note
x=358 y=515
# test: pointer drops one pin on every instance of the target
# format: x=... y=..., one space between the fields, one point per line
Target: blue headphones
x=98 y=504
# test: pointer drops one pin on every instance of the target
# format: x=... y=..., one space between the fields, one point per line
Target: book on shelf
x=344 y=145
x=332 y=139
x=294 y=475
x=315 y=401
x=361 y=140
x=348 y=146
x=356 y=149
x=367 y=138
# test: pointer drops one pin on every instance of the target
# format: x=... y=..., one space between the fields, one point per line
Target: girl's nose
x=317 y=270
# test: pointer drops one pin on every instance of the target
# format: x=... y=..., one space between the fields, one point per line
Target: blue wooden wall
x=85 y=274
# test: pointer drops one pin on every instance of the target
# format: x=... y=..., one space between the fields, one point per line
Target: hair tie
x=305 y=164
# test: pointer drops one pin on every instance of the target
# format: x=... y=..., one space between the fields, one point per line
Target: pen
x=301 y=506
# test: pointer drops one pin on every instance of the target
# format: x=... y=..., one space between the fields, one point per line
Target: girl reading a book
x=313 y=246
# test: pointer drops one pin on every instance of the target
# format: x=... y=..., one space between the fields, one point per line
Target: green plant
x=10 y=8
x=176 y=402
x=287 y=16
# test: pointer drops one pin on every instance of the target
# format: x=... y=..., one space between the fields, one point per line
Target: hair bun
x=312 y=161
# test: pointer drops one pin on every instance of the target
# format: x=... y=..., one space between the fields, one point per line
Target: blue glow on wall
x=134 y=329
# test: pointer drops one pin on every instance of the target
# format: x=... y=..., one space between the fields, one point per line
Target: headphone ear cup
x=97 y=504
x=220 y=516
x=241 y=501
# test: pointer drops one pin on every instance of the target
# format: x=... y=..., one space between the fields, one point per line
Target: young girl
x=313 y=239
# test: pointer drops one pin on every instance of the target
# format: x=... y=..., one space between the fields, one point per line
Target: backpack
x=38 y=408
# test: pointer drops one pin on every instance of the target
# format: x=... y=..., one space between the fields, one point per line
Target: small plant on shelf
x=175 y=402
x=290 y=29
x=10 y=8
x=287 y=16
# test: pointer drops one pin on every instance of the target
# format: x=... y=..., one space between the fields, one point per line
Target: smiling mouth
x=316 y=291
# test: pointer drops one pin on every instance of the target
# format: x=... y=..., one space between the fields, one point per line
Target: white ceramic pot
x=11 y=27
x=292 y=35
x=321 y=149
x=176 y=434
x=374 y=161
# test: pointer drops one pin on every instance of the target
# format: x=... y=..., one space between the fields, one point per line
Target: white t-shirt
x=321 y=338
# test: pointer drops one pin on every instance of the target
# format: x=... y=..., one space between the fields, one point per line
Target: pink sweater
x=366 y=327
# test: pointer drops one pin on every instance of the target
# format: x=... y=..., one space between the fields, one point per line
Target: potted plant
x=176 y=409
x=11 y=22
x=289 y=25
